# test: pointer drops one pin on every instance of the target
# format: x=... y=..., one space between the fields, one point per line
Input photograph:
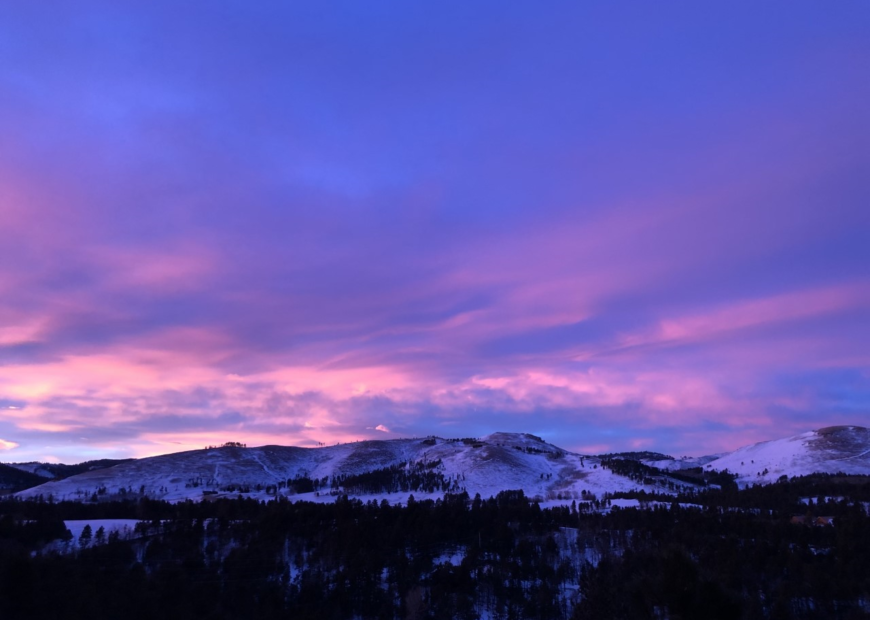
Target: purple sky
x=615 y=225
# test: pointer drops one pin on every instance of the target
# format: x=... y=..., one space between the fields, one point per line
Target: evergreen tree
x=86 y=535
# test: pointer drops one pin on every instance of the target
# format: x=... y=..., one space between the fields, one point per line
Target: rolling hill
x=487 y=465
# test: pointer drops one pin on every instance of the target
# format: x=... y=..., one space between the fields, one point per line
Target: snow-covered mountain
x=497 y=462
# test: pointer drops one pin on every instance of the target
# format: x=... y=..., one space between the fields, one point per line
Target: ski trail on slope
x=256 y=457
x=854 y=456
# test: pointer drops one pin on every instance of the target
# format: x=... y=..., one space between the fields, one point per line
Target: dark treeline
x=646 y=474
x=417 y=477
x=826 y=493
x=739 y=555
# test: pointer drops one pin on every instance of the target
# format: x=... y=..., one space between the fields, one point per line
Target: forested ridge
x=758 y=553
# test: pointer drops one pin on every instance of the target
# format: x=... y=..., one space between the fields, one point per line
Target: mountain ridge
x=486 y=465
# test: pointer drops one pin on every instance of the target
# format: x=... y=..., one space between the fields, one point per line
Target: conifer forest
x=796 y=549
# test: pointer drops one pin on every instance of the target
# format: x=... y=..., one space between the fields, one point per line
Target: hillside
x=56 y=471
x=498 y=462
x=827 y=450
x=13 y=479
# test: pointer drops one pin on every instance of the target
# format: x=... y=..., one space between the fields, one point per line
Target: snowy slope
x=501 y=461
x=828 y=450
x=33 y=467
x=686 y=462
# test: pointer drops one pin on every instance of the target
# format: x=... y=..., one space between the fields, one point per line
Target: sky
x=618 y=226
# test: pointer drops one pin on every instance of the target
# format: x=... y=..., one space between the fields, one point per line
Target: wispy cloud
x=415 y=232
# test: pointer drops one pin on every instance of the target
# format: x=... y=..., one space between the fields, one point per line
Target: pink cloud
x=547 y=273
x=748 y=314
x=163 y=269
x=663 y=397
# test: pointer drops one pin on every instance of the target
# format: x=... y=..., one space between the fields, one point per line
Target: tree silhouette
x=86 y=535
